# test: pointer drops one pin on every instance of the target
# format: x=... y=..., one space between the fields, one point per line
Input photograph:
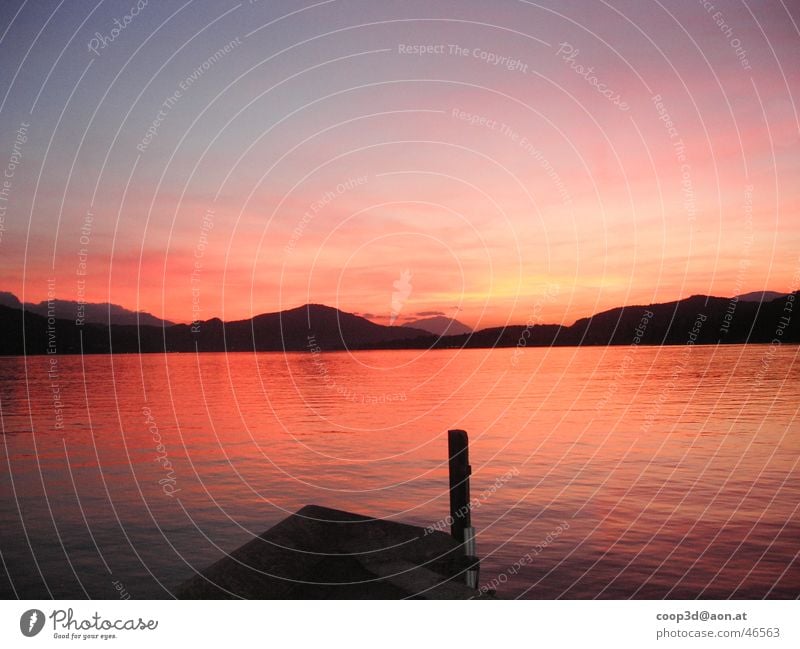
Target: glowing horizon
x=509 y=158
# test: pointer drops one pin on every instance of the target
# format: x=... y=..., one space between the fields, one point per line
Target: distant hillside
x=440 y=325
x=289 y=330
x=98 y=313
x=698 y=319
x=761 y=296
x=301 y=329
x=9 y=300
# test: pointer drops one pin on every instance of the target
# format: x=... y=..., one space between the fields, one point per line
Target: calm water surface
x=645 y=472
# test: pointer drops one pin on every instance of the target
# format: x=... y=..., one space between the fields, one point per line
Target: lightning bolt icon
x=32 y=621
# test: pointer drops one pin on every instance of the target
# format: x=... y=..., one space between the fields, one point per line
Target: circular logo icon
x=31 y=622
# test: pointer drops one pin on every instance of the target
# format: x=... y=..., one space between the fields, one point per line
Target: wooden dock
x=321 y=553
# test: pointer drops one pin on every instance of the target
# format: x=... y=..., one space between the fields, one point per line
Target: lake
x=605 y=472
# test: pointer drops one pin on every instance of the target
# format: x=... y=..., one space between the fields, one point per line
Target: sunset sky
x=307 y=152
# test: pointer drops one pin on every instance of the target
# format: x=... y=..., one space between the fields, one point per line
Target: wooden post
x=460 y=508
x=460 y=470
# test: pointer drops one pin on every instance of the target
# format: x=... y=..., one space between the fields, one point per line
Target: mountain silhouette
x=760 y=296
x=440 y=325
x=9 y=300
x=695 y=320
x=299 y=329
x=302 y=329
x=95 y=312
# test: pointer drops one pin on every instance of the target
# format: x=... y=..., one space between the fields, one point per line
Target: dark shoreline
x=383 y=349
